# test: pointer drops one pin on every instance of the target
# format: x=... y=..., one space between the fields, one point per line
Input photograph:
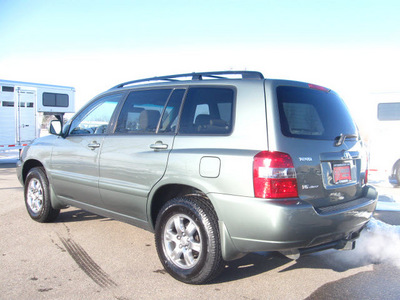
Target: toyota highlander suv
x=216 y=164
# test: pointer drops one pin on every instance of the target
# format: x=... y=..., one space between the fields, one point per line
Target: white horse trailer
x=20 y=106
x=384 y=138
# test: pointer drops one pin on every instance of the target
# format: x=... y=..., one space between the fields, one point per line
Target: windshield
x=313 y=114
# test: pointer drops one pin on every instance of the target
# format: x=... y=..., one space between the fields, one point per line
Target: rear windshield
x=313 y=114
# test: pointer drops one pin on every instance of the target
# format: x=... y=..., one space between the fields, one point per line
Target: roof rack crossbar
x=196 y=76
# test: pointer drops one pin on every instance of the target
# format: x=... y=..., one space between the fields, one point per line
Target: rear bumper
x=252 y=224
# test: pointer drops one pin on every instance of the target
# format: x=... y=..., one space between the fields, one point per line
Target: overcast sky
x=348 y=45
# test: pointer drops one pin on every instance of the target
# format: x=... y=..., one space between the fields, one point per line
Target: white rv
x=385 y=138
x=21 y=103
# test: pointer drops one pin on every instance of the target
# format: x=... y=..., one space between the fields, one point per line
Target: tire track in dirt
x=87 y=264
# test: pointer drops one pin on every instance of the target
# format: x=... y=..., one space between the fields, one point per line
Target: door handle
x=159 y=145
x=93 y=145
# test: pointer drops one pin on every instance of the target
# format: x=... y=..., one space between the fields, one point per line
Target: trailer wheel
x=37 y=196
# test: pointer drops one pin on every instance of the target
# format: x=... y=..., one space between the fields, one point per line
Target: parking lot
x=85 y=256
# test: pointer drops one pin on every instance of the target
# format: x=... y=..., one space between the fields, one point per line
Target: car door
x=75 y=158
x=134 y=158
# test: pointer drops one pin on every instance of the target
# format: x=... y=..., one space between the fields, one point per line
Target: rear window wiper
x=342 y=137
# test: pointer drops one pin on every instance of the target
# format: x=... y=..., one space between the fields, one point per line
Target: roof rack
x=197 y=76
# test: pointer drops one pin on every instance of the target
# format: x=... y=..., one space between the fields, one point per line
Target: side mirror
x=55 y=127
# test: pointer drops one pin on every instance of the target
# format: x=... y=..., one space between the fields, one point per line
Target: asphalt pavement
x=85 y=256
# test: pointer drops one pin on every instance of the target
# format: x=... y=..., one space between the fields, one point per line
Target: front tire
x=37 y=196
x=187 y=240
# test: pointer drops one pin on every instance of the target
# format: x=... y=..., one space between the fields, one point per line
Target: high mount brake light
x=318 y=87
x=274 y=176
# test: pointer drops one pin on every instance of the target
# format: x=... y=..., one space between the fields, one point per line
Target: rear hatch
x=315 y=128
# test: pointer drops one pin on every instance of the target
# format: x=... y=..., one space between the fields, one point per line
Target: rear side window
x=207 y=111
x=313 y=114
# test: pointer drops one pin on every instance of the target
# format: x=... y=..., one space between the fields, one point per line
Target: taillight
x=274 y=176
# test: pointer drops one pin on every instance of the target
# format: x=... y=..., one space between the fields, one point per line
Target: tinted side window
x=7 y=88
x=57 y=100
x=207 y=111
x=96 y=117
x=8 y=103
x=313 y=114
x=141 y=111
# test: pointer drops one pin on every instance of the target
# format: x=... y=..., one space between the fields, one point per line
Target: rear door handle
x=93 y=145
x=159 y=145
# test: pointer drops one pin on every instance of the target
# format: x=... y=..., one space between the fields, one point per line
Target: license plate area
x=341 y=173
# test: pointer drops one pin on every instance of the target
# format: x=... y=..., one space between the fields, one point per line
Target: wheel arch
x=33 y=163
x=168 y=192
x=29 y=165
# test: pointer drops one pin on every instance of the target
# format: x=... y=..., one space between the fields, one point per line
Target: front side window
x=207 y=111
x=312 y=114
x=96 y=117
x=142 y=111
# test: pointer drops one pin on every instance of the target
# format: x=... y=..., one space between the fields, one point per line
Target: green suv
x=217 y=164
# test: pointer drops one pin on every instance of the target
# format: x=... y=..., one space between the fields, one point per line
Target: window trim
x=114 y=118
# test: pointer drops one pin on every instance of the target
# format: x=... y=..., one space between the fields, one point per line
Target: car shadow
x=257 y=263
x=251 y=265
x=78 y=215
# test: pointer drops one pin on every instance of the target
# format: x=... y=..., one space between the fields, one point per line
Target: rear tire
x=187 y=240
x=37 y=196
x=397 y=175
